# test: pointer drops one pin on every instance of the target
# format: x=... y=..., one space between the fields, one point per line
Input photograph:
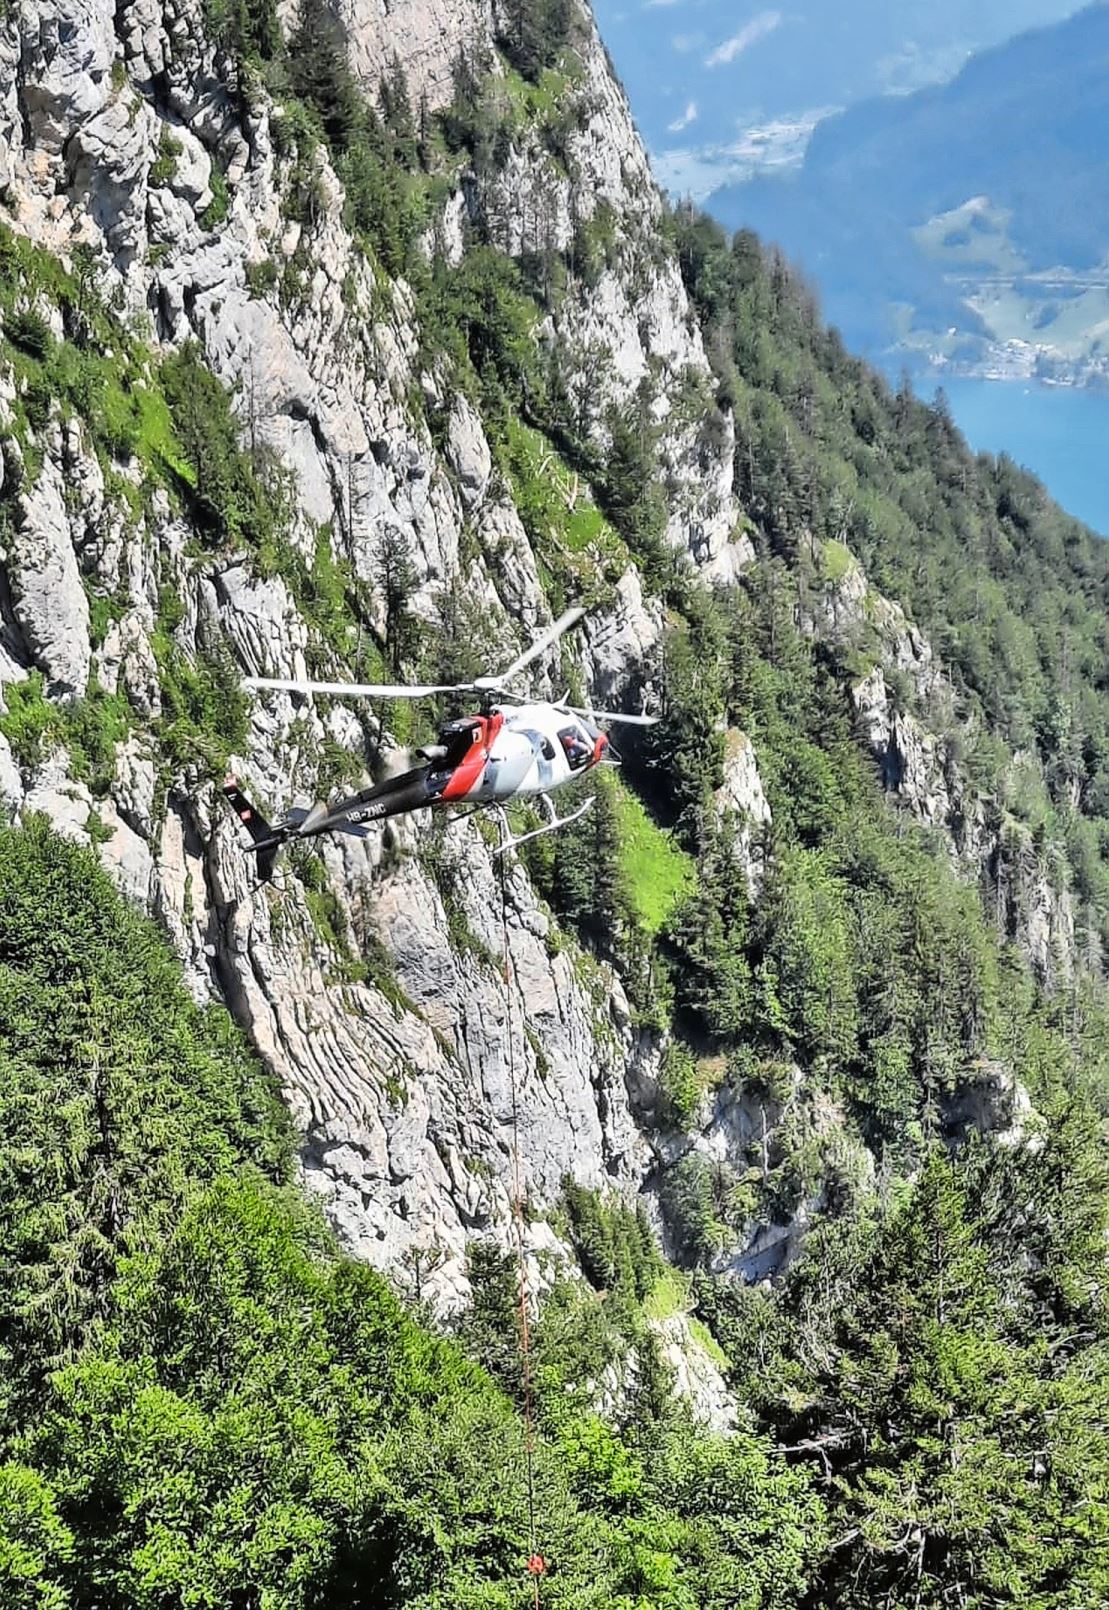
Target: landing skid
x=552 y=824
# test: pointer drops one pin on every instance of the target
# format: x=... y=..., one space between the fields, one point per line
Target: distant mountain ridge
x=967 y=224
x=723 y=92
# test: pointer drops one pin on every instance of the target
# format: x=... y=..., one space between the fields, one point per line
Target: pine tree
x=396 y=113
x=532 y=32
x=952 y=1454
x=396 y=583
x=321 y=74
x=587 y=880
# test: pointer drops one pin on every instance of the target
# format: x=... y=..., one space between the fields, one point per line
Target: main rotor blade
x=354 y=690
x=611 y=715
x=544 y=640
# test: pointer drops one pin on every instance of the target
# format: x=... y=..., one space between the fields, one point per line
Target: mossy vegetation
x=579 y=552
x=328 y=916
x=96 y=371
x=446 y=867
x=236 y=496
x=204 y=714
x=88 y=729
x=164 y=166
x=32 y=724
x=326 y=594
x=836 y=561
x=707 y=1342
x=683 y=1079
x=534 y=101
x=668 y=1295
x=220 y=205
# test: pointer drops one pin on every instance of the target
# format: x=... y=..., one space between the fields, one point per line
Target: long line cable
x=535 y=1562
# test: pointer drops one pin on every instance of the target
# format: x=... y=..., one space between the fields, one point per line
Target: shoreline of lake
x=1060 y=433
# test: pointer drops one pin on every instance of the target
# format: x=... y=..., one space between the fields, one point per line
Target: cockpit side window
x=577 y=751
x=458 y=739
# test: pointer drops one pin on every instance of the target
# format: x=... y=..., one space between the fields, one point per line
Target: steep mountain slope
x=245 y=245
x=928 y=231
x=365 y=346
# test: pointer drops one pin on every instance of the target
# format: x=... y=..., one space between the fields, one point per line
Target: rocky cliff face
x=915 y=741
x=114 y=123
x=130 y=148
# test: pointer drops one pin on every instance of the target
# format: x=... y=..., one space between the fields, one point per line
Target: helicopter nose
x=600 y=744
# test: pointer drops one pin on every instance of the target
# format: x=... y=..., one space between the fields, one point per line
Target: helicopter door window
x=577 y=751
x=547 y=749
x=458 y=740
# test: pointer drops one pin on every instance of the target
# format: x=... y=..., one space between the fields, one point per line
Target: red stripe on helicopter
x=467 y=774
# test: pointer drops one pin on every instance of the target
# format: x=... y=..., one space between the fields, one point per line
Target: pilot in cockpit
x=576 y=749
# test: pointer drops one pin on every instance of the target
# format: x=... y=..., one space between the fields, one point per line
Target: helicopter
x=508 y=750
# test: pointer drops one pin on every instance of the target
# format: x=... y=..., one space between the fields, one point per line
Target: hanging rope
x=536 y=1563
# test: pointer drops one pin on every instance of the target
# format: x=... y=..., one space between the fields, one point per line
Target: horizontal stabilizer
x=252 y=819
x=314 y=819
x=353 y=830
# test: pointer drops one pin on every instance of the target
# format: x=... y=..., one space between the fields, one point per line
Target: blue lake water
x=1060 y=433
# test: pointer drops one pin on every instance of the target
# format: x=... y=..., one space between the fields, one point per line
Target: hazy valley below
x=962 y=228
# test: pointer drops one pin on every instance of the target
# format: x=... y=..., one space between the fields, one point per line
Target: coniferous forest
x=204 y=1400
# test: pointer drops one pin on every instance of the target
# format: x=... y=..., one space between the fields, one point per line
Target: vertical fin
x=266 y=841
x=253 y=820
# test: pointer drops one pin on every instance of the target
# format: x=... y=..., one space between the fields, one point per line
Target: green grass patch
x=657 y=873
x=836 y=561
x=331 y=599
x=219 y=206
x=92 y=728
x=31 y=724
x=156 y=439
x=98 y=373
x=89 y=729
x=575 y=544
x=668 y=1296
x=164 y=166
x=586 y=524
x=205 y=713
x=534 y=102
x=708 y=1343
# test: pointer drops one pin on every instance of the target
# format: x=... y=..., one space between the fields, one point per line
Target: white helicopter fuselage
x=516 y=751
